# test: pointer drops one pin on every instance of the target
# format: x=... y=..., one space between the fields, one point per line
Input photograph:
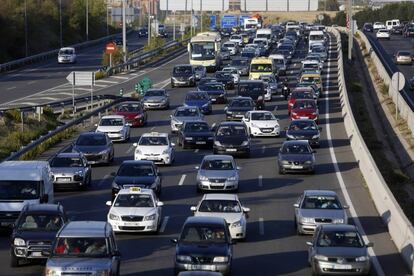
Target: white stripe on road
x=260 y=180
x=263 y=149
x=31 y=82
x=261 y=226
x=102 y=182
x=338 y=174
x=164 y=224
x=130 y=149
x=196 y=150
x=106 y=81
x=119 y=77
x=182 y=180
x=101 y=85
x=10 y=88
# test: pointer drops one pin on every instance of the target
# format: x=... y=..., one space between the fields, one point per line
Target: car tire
x=14 y=261
x=183 y=146
x=198 y=190
x=281 y=170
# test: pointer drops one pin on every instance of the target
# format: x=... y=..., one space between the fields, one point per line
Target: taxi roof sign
x=135 y=189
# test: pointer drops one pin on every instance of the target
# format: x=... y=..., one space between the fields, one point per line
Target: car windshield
x=231 y=131
x=279 y=61
x=131 y=107
x=153 y=141
x=196 y=127
x=202 y=50
x=112 y=122
x=321 y=202
x=239 y=62
x=404 y=54
x=81 y=247
x=332 y=238
x=263 y=116
x=223 y=75
x=248 y=54
x=241 y=103
x=235 y=37
x=138 y=170
x=262 y=67
x=301 y=95
x=196 y=97
x=203 y=233
x=217 y=165
x=220 y=206
x=318 y=50
x=154 y=93
x=211 y=87
x=185 y=70
x=19 y=190
x=229 y=45
x=230 y=70
x=66 y=52
x=187 y=112
x=91 y=140
x=40 y=222
x=302 y=125
x=304 y=105
x=295 y=149
x=134 y=200
x=66 y=162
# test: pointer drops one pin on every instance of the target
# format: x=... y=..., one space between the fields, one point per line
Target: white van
x=21 y=183
x=389 y=24
x=264 y=33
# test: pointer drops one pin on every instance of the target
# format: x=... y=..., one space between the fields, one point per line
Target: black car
x=238 y=107
x=204 y=244
x=183 y=75
x=144 y=174
x=143 y=32
x=96 y=147
x=215 y=91
x=368 y=27
x=408 y=30
x=34 y=231
x=205 y=80
x=195 y=134
x=304 y=129
x=254 y=89
x=241 y=64
x=225 y=78
x=397 y=30
x=249 y=53
x=226 y=32
x=232 y=138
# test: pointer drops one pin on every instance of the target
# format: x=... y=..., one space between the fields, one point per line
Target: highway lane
x=42 y=76
x=272 y=247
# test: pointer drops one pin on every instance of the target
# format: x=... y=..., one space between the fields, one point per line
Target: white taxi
x=155 y=147
x=115 y=126
x=135 y=210
x=261 y=123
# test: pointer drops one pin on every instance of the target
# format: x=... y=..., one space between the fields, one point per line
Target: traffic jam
x=245 y=75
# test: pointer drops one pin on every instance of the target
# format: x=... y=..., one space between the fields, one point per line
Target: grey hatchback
x=296 y=156
x=338 y=249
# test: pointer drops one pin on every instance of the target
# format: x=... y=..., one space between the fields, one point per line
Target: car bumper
x=155 y=105
x=211 y=186
x=199 y=142
x=68 y=184
x=265 y=132
x=61 y=60
x=139 y=226
x=218 y=100
x=175 y=127
x=30 y=252
x=237 y=232
x=117 y=136
x=297 y=168
x=406 y=61
x=182 y=82
x=222 y=268
x=97 y=159
x=232 y=151
x=136 y=122
x=310 y=117
x=157 y=159
x=354 y=268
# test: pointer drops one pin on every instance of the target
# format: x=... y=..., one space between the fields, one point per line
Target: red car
x=133 y=112
x=299 y=93
x=304 y=109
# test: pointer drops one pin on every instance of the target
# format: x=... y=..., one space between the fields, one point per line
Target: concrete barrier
x=399 y=227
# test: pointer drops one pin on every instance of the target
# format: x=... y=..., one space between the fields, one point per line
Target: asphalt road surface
x=272 y=246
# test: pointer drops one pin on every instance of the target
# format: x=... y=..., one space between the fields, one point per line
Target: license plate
x=296 y=167
x=152 y=158
x=37 y=254
x=304 y=117
x=339 y=266
x=131 y=223
x=213 y=100
x=64 y=179
x=239 y=115
x=201 y=142
x=231 y=150
x=203 y=267
x=267 y=130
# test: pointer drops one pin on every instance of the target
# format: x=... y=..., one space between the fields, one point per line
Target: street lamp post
x=87 y=19
x=60 y=23
x=124 y=30
x=25 y=29
x=174 y=25
x=149 y=22
x=107 y=19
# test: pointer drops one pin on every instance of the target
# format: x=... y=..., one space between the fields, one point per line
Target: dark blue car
x=215 y=91
x=199 y=99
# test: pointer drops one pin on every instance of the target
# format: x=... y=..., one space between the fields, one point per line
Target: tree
x=328 y=5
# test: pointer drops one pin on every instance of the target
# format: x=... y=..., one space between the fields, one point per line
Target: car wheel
x=183 y=146
x=198 y=190
x=14 y=261
x=281 y=170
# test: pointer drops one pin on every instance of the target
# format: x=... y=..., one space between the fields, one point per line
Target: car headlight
x=307 y=220
x=232 y=178
x=183 y=258
x=174 y=78
x=113 y=217
x=338 y=221
x=103 y=152
x=308 y=162
x=217 y=143
x=190 y=78
x=362 y=259
x=139 y=116
x=245 y=143
x=166 y=151
x=229 y=112
x=202 y=178
x=221 y=259
x=290 y=136
x=321 y=258
x=19 y=242
x=102 y=272
x=150 y=217
x=188 y=138
x=254 y=125
x=285 y=162
x=315 y=136
x=294 y=113
x=210 y=138
x=236 y=224
x=51 y=272
x=138 y=151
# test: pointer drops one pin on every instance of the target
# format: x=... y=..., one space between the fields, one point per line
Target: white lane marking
x=101 y=85
x=182 y=180
x=10 y=88
x=260 y=180
x=45 y=98
x=119 y=77
x=338 y=174
x=130 y=149
x=106 y=81
x=31 y=82
x=263 y=149
x=162 y=84
x=164 y=224
x=196 y=150
x=133 y=74
x=261 y=226
x=152 y=128
x=102 y=182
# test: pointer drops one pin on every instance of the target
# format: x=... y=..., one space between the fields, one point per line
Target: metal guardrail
x=37 y=142
x=46 y=55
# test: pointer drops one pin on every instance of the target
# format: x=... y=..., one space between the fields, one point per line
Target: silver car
x=403 y=57
x=185 y=114
x=218 y=173
x=338 y=249
x=315 y=207
x=296 y=156
x=156 y=99
x=71 y=169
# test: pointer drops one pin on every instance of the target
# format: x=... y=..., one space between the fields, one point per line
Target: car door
x=116 y=258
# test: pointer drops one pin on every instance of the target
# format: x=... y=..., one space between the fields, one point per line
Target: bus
x=316 y=37
x=261 y=66
x=204 y=49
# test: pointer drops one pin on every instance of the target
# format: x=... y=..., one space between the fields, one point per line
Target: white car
x=237 y=38
x=383 y=34
x=268 y=95
x=115 y=126
x=378 y=26
x=67 y=55
x=234 y=72
x=135 y=210
x=155 y=147
x=261 y=123
x=232 y=46
x=225 y=206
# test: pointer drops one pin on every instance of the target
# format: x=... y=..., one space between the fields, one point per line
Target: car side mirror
x=108 y=203
x=245 y=209
x=370 y=244
x=174 y=240
x=296 y=205
x=309 y=243
x=113 y=174
x=247 y=119
x=95 y=125
x=170 y=116
x=46 y=253
x=117 y=253
x=193 y=208
x=172 y=144
x=135 y=144
x=160 y=204
x=197 y=167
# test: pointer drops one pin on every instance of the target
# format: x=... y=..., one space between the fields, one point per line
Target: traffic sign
x=213 y=20
x=321 y=17
x=81 y=78
x=110 y=48
x=398 y=81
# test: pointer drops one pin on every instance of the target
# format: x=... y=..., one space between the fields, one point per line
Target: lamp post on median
x=25 y=29
x=87 y=19
x=60 y=23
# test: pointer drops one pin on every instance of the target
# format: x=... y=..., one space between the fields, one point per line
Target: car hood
x=67 y=170
x=182 y=75
x=36 y=235
x=79 y=264
x=304 y=111
x=215 y=92
x=231 y=140
x=152 y=149
x=128 y=114
x=229 y=217
x=302 y=133
x=217 y=173
x=154 y=99
x=143 y=180
x=202 y=249
x=342 y=251
x=90 y=149
x=132 y=211
x=264 y=124
x=109 y=128
x=198 y=134
x=296 y=157
x=322 y=213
